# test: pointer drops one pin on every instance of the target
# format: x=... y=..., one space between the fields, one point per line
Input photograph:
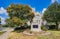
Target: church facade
x=37 y=22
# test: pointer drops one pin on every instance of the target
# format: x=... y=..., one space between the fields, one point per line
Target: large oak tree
x=52 y=14
x=0 y=21
x=20 y=14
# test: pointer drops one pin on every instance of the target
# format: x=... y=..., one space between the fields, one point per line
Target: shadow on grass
x=54 y=30
x=18 y=31
x=21 y=29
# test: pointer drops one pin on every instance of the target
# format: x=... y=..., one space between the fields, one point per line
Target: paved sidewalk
x=6 y=34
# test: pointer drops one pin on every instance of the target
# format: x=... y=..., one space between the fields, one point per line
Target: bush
x=30 y=32
x=5 y=25
x=44 y=28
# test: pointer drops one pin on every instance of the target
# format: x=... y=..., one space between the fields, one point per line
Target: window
x=35 y=26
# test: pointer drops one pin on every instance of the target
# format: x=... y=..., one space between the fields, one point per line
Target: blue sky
x=39 y=5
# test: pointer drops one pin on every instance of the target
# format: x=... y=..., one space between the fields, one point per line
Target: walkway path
x=6 y=34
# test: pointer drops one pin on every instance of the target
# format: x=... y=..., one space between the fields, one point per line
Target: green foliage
x=9 y=23
x=18 y=31
x=20 y=11
x=20 y=14
x=18 y=21
x=52 y=14
x=44 y=28
x=5 y=25
x=0 y=20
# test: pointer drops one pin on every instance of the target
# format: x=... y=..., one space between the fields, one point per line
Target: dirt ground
x=15 y=35
x=54 y=35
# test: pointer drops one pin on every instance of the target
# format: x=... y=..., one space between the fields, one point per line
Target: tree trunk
x=56 y=26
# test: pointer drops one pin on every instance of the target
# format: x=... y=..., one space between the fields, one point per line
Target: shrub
x=30 y=32
x=5 y=25
x=44 y=28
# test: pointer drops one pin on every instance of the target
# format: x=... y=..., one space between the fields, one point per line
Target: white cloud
x=33 y=9
x=54 y=1
x=3 y=11
x=2 y=20
x=44 y=9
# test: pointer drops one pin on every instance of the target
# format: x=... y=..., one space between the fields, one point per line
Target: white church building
x=37 y=22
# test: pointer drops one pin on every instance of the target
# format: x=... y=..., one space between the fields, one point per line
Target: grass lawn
x=54 y=35
x=2 y=33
